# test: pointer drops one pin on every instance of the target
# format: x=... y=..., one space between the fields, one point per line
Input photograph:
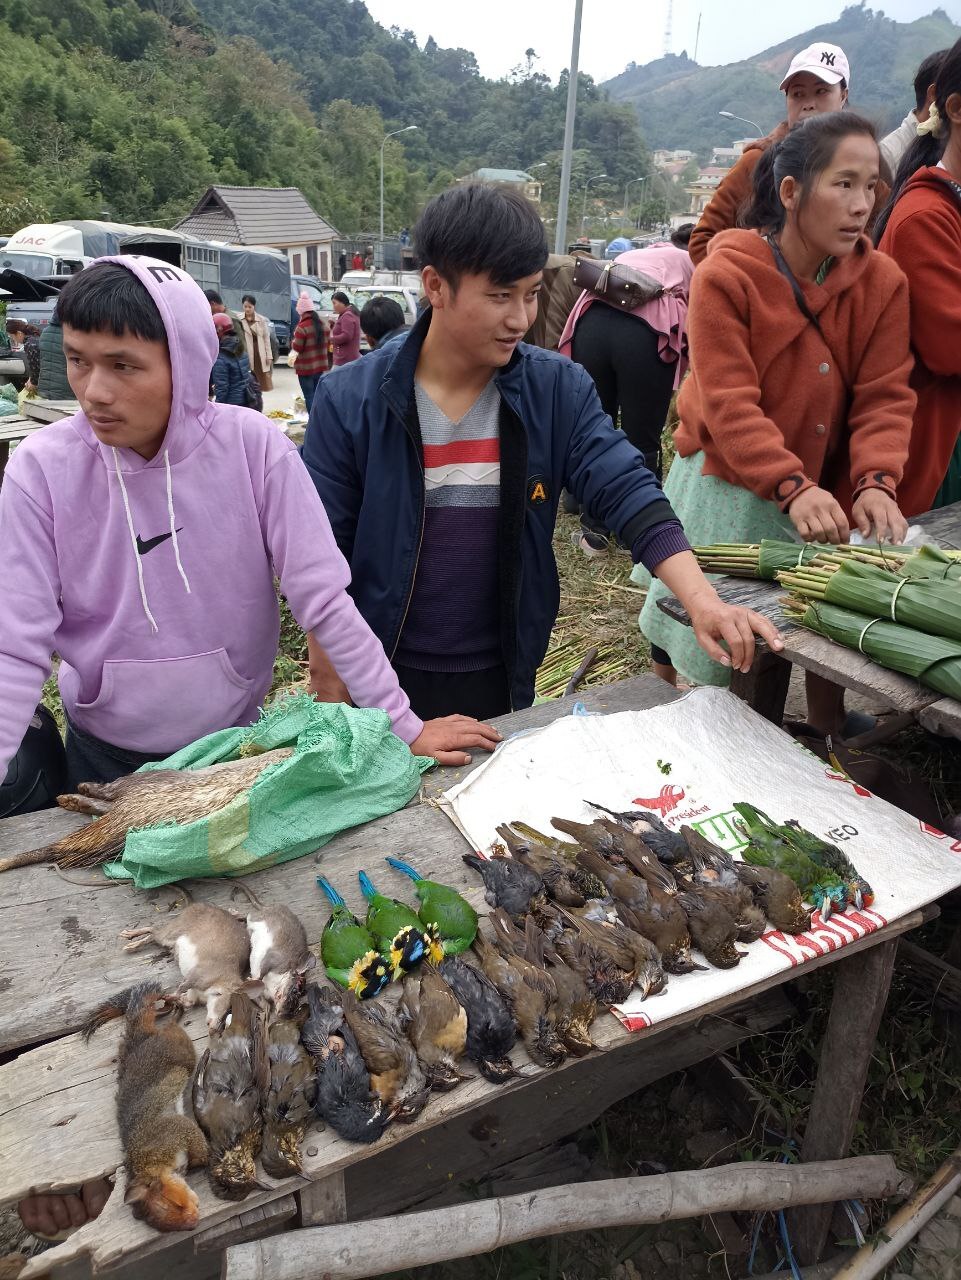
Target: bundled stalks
x=767 y=559
x=933 y=660
x=930 y=606
x=561 y=662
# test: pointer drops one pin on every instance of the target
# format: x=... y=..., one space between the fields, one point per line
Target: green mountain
x=130 y=108
x=677 y=101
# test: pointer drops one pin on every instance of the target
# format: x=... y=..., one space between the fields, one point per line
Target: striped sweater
x=453 y=622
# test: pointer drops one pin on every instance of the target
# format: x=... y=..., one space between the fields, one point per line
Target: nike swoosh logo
x=147 y=544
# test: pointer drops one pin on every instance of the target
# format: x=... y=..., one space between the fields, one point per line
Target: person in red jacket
x=796 y=417
x=921 y=230
x=345 y=334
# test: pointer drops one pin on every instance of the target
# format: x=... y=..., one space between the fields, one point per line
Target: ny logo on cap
x=828 y=58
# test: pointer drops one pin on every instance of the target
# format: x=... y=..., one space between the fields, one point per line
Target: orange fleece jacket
x=923 y=236
x=735 y=192
x=775 y=407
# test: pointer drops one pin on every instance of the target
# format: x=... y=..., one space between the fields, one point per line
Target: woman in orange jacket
x=921 y=230
x=796 y=418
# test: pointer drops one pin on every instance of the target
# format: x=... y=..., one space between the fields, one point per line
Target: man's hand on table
x=447 y=737
x=48 y=1215
x=715 y=623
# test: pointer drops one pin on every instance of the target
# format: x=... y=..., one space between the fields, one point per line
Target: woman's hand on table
x=877 y=515
x=819 y=517
x=717 y=624
x=447 y=738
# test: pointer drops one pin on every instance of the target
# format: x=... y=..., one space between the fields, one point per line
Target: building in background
x=278 y=217
x=517 y=178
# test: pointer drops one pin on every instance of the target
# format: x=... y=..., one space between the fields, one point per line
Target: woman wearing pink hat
x=308 y=347
x=817 y=80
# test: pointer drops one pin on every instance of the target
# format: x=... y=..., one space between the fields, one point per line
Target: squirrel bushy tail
x=136 y=1004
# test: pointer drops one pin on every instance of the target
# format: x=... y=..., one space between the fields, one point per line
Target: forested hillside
x=677 y=101
x=132 y=107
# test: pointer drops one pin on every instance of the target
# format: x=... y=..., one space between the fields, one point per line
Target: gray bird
x=344 y=1097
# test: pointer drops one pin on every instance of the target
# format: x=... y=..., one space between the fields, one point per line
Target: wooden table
x=60 y=957
x=12 y=431
x=765 y=687
x=42 y=410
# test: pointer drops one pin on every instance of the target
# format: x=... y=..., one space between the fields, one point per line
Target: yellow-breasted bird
x=397 y=1075
x=437 y=1026
x=397 y=931
x=443 y=907
x=228 y=1092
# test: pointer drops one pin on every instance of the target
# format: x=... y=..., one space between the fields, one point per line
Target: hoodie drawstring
x=133 y=536
x=170 y=515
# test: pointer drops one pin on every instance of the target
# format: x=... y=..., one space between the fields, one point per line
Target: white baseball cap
x=826 y=61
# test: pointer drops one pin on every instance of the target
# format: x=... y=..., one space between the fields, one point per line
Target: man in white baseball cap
x=817 y=80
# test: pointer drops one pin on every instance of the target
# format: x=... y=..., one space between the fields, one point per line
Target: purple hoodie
x=154 y=581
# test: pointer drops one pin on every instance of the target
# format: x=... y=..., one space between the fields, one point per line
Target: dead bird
x=139 y=800
x=713 y=928
x=397 y=1075
x=211 y=949
x=279 y=955
x=667 y=845
x=344 y=1097
x=288 y=1101
x=228 y=1094
x=778 y=896
x=557 y=875
x=617 y=846
x=584 y=883
x=160 y=1137
x=611 y=955
x=508 y=882
x=436 y=1026
x=530 y=995
x=491 y=1033
x=716 y=876
x=576 y=1007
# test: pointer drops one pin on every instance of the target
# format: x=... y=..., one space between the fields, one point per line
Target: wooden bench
x=12 y=431
x=765 y=686
x=60 y=956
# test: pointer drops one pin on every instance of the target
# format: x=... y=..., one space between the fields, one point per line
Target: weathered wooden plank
x=43 y=411
x=323 y=1201
x=249 y=1225
x=860 y=994
x=60 y=955
x=765 y=687
x=942 y=717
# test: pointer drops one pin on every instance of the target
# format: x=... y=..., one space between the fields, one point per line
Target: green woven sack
x=347 y=767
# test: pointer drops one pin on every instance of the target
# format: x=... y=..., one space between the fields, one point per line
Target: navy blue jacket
x=230 y=373
x=364 y=453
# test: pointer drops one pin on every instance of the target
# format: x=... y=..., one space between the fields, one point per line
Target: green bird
x=397 y=930
x=453 y=916
x=860 y=893
x=768 y=847
x=348 y=951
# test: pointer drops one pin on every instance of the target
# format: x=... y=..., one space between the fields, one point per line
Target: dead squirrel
x=160 y=1137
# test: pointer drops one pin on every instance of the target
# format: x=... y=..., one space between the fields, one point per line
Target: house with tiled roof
x=518 y=178
x=279 y=217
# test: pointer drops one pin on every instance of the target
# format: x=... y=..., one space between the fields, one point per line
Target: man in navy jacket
x=440 y=462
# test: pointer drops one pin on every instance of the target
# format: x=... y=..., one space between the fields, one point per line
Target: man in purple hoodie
x=141 y=541
x=142 y=536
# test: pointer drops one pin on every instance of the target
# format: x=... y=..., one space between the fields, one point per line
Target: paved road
x=286 y=387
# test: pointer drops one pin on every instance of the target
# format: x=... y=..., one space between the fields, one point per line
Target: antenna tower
x=668 y=27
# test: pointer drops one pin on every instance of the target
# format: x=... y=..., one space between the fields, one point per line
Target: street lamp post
x=729 y=115
x=406 y=129
x=564 y=190
x=645 y=178
x=596 y=178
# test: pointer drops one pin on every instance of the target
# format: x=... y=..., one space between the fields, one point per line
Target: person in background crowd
x=440 y=461
x=369 y=260
x=345 y=334
x=231 y=369
x=53 y=384
x=817 y=81
x=381 y=320
x=256 y=335
x=900 y=139
x=921 y=230
x=308 y=348
x=637 y=358
x=342 y=263
x=25 y=338
x=556 y=298
x=16 y=331
x=796 y=416
x=217 y=308
x=357 y=261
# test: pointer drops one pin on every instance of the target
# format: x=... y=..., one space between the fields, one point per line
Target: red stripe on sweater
x=439 y=455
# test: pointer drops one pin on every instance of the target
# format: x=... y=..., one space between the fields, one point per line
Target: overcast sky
x=616 y=32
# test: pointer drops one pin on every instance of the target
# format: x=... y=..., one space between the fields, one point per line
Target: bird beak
x=827 y=909
x=742 y=954
x=858 y=900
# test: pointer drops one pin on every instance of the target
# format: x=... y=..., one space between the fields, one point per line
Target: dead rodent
x=211 y=948
x=160 y=1137
x=279 y=955
x=144 y=800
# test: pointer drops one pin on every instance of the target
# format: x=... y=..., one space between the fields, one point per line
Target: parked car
x=405 y=296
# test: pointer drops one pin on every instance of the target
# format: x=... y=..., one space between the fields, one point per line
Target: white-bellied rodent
x=211 y=949
x=279 y=955
x=160 y=1137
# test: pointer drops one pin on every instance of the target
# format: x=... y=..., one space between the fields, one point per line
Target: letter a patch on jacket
x=537 y=491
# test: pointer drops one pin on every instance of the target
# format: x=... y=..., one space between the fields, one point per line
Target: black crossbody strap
x=789 y=276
